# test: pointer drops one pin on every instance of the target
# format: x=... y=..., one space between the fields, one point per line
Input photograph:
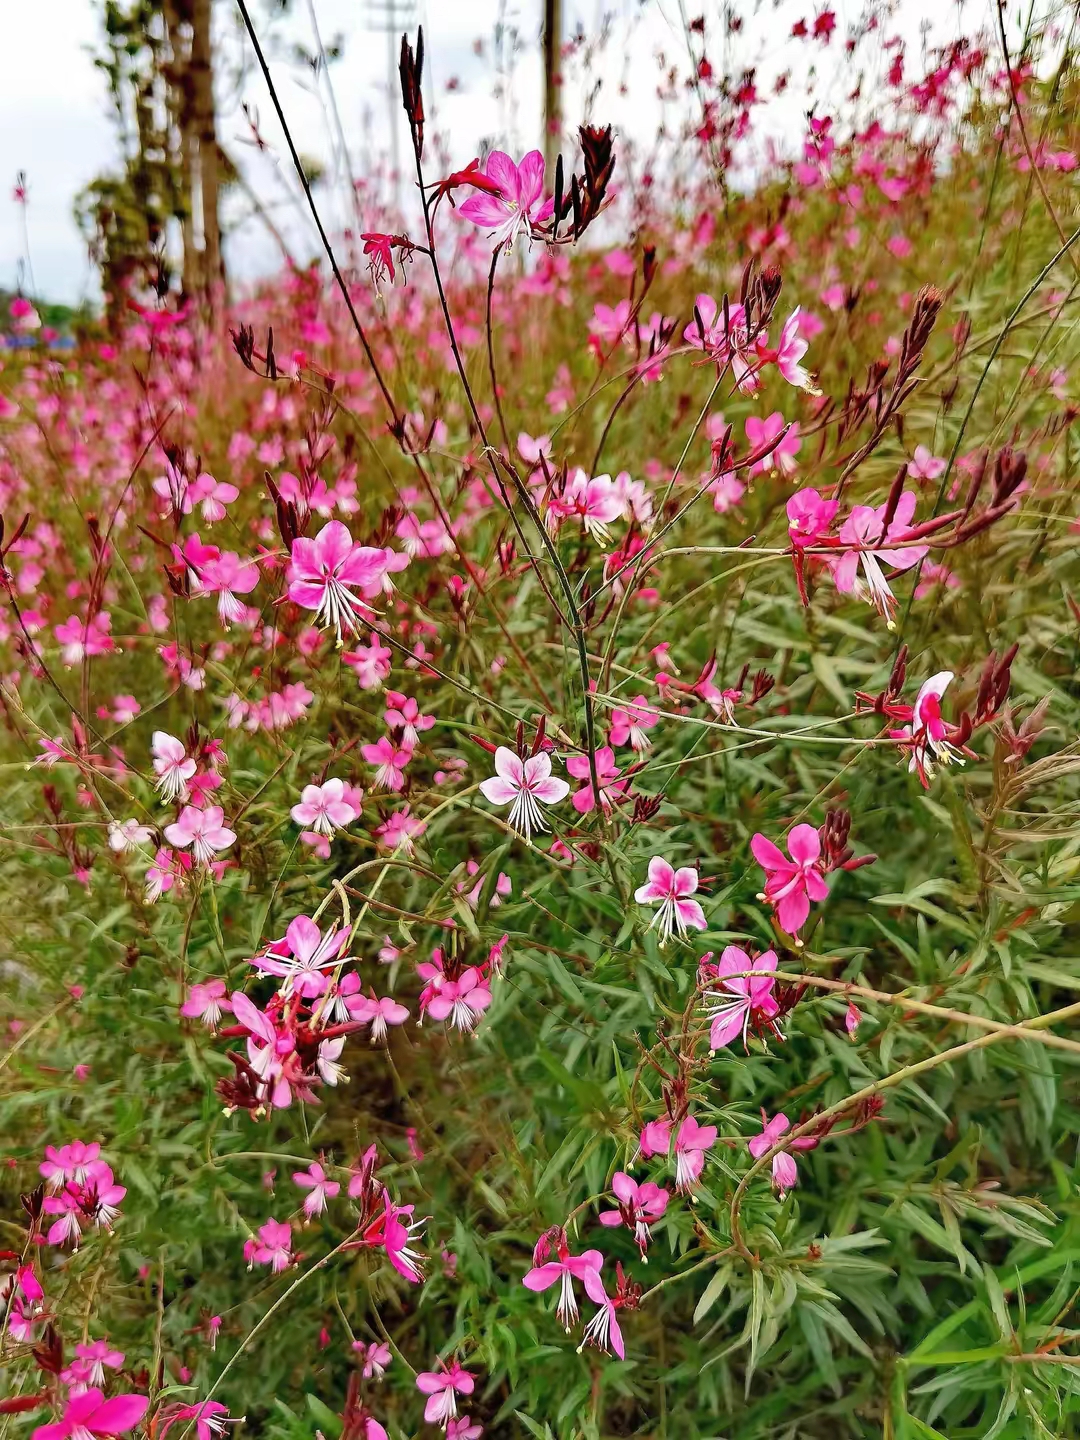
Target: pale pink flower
x=785 y=1174
x=671 y=889
x=370 y=663
x=319 y=1187
x=925 y=466
x=442 y=1387
x=400 y=829
x=202 y=830
x=790 y=885
x=852 y=1019
x=172 y=766
x=325 y=808
x=324 y=572
x=69 y=1163
x=789 y=354
x=206 y=1002
x=377 y=1358
x=524 y=785
x=99 y=1354
x=82 y=639
x=213 y=496
x=128 y=835
x=515 y=207
x=463 y=1429
x=691 y=1142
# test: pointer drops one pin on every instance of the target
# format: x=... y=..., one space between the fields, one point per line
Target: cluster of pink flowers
x=82 y=1192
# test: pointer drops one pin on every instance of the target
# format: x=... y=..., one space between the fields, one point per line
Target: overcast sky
x=55 y=123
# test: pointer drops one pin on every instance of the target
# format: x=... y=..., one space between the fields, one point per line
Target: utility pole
x=552 y=83
x=393 y=17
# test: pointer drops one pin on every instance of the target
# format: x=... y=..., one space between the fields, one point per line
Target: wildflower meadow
x=540 y=782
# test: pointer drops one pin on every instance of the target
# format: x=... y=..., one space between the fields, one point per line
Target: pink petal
x=804 y=843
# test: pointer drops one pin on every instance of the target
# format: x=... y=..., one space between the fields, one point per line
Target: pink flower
x=379 y=1014
x=323 y=573
x=400 y=830
x=670 y=889
x=99 y=1354
x=324 y=808
x=928 y=735
x=691 y=1142
x=228 y=576
x=71 y=1162
x=760 y=433
x=377 y=1357
x=566 y=1269
x=319 y=1186
x=524 y=785
x=462 y=1429
x=784 y=1172
x=403 y=713
x=202 y=830
x=810 y=517
x=852 y=1019
x=632 y=724
x=461 y=1001
x=302 y=956
x=370 y=663
x=790 y=885
x=789 y=353
x=442 y=1387
x=273 y=1247
x=172 y=766
x=210 y=1418
x=89 y=1413
x=596 y=502
x=390 y=763
x=603 y=1330
x=863 y=531
x=655 y=1139
x=513 y=207
x=81 y=639
x=744 y=997
x=213 y=495
x=206 y=1002
x=638 y=1206
x=925 y=466
x=607 y=773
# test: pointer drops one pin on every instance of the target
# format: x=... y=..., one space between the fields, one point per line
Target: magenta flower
x=210 y=1418
x=524 y=785
x=810 y=517
x=691 y=1142
x=319 y=1186
x=325 y=808
x=514 y=207
x=442 y=1387
x=671 y=890
x=929 y=735
x=603 y=1330
x=273 y=1247
x=172 y=766
x=324 y=572
x=566 y=1269
x=89 y=1413
x=82 y=639
x=744 y=996
x=790 y=885
x=202 y=830
x=71 y=1162
x=463 y=1429
x=206 y=1002
x=639 y=1205
x=655 y=1139
x=376 y=1355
